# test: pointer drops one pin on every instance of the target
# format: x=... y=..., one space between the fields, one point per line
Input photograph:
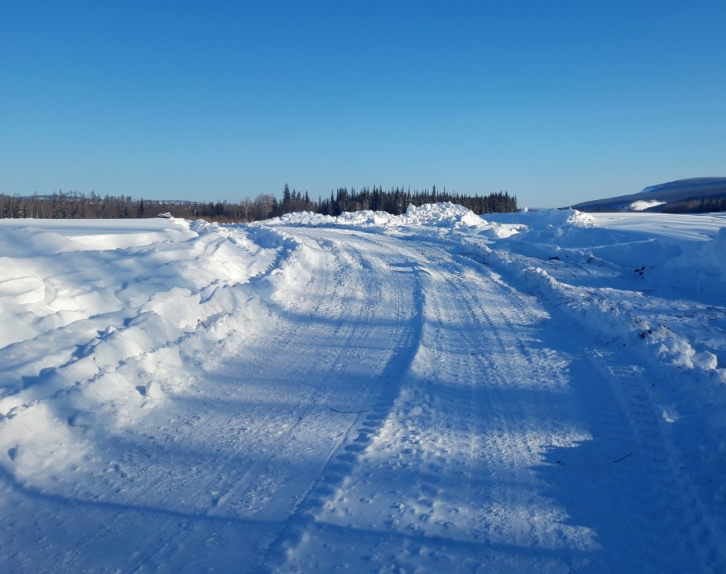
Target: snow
x=446 y=215
x=643 y=205
x=431 y=392
x=682 y=227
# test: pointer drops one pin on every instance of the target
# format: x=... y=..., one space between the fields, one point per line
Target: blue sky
x=555 y=102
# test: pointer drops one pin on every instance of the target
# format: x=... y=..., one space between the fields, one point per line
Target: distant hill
x=694 y=195
x=695 y=183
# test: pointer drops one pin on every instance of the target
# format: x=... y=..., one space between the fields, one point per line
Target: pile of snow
x=708 y=258
x=95 y=316
x=440 y=215
x=643 y=205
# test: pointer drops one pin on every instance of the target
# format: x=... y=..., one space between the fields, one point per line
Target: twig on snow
x=348 y=412
x=622 y=458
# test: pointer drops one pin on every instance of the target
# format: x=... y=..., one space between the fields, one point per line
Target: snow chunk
x=706 y=360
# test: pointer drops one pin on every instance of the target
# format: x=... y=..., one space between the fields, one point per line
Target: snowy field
x=434 y=392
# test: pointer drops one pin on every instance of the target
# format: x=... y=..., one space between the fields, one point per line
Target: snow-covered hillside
x=705 y=183
x=431 y=392
x=673 y=196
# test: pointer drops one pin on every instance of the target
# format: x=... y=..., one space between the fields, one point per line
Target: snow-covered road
x=339 y=399
x=490 y=443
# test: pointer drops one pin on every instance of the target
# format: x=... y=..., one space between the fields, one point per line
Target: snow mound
x=300 y=218
x=560 y=218
x=707 y=259
x=443 y=215
x=643 y=205
x=654 y=279
x=93 y=338
x=544 y=218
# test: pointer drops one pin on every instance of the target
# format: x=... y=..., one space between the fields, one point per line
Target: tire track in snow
x=656 y=495
x=519 y=408
x=351 y=335
x=699 y=538
x=495 y=460
x=454 y=461
x=348 y=341
x=308 y=402
x=625 y=417
x=351 y=340
x=377 y=405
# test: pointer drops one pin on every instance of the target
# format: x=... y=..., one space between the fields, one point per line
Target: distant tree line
x=74 y=205
x=397 y=200
x=703 y=205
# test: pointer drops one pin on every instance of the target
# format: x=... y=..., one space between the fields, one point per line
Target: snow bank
x=649 y=279
x=709 y=258
x=543 y=218
x=443 y=215
x=674 y=330
x=95 y=319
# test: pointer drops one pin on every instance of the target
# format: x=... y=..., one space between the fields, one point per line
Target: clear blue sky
x=556 y=102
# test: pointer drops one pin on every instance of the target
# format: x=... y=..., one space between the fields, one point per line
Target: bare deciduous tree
x=264 y=204
x=247 y=206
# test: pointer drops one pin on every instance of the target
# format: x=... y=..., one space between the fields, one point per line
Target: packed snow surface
x=430 y=392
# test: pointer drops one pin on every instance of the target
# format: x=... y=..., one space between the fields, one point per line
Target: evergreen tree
x=286 y=197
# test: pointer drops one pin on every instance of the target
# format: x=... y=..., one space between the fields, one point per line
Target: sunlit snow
x=432 y=392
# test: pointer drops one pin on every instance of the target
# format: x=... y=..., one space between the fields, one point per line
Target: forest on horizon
x=75 y=205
